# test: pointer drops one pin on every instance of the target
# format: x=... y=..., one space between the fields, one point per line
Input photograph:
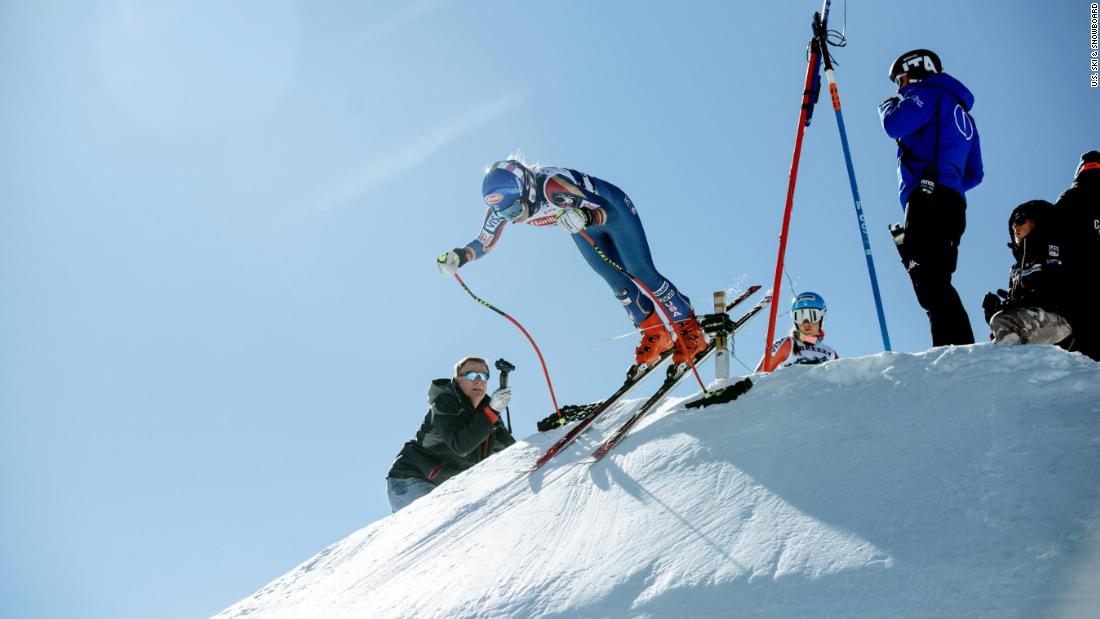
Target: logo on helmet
x=914 y=66
x=494 y=198
x=918 y=62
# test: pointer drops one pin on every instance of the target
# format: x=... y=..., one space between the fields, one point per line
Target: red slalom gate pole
x=538 y=352
x=656 y=301
x=807 y=105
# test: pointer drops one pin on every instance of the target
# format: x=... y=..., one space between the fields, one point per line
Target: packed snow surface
x=959 y=482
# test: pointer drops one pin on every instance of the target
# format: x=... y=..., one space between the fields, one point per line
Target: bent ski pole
x=656 y=301
x=538 y=352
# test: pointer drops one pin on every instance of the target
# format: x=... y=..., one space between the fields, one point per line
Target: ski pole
x=638 y=282
x=538 y=352
x=807 y=109
x=822 y=35
x=504 y=367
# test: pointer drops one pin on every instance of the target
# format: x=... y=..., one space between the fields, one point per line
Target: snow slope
x=963 y=481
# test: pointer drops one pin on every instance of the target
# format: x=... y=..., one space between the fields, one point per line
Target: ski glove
x=500 y=399
x=448 y=262
x=573 y=220
x=993 y=303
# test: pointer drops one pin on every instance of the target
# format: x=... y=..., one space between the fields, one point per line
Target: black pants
x=934 y=224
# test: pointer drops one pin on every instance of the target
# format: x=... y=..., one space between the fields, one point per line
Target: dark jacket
x=1078 y=211
x=453 y=437
x=937 y=137
x=1037 y=278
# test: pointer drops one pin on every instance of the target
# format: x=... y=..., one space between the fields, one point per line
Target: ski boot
x=690 y=341
x=655 y=340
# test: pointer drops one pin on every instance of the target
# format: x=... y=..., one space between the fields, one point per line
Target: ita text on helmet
x=914 y=66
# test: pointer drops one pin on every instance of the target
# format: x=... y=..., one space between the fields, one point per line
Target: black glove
x=991 y=304
x=889 y=101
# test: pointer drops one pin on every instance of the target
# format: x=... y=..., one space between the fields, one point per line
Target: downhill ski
x=675 y=375
x=634 y=378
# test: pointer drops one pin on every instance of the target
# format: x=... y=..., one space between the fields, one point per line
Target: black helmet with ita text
x=917 y=65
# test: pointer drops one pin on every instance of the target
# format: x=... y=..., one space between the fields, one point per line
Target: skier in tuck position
x=576 y=202
x=803 y=346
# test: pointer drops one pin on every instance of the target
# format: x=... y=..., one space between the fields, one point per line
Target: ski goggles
x=471 y=376
x=807 y=314
x=513 y=210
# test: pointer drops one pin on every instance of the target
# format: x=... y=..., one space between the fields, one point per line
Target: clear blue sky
x=219 y=314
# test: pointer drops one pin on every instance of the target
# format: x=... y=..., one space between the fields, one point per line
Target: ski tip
x=751 y=290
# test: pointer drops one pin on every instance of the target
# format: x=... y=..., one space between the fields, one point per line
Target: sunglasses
x=471 y=375
x=513 y=210
x=806 y=314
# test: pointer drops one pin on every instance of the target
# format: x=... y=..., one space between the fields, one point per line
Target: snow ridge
x=957 y=482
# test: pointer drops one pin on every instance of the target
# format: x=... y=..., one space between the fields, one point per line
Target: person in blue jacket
x=576 y=202
x=939 y=160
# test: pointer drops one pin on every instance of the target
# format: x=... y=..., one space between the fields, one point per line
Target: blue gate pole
x=821 y=33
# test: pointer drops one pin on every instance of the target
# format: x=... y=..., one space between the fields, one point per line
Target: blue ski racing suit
x=615 y=228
